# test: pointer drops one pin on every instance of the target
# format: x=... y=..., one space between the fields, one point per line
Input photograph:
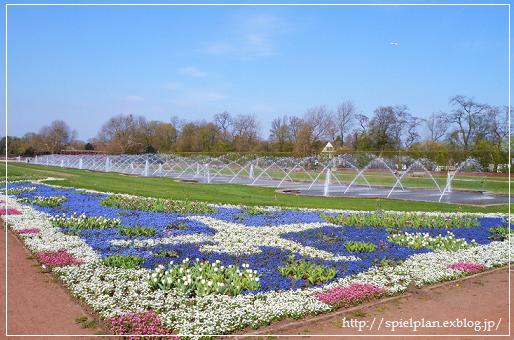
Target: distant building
x=444 y=168
x=81 y=152
x=328 y=150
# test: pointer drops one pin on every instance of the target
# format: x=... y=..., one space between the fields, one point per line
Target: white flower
x=114 y=291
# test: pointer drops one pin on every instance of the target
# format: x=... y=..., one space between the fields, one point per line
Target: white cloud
x=249 y=35
x=192 y=71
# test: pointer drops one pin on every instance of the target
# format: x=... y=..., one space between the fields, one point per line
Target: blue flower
x=327 y=238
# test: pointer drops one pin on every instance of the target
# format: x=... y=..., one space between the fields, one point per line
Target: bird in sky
x=395 y=44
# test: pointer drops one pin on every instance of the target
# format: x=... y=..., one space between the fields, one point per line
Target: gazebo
x=328 y=150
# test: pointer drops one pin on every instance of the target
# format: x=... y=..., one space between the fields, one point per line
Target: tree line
x=467 y=128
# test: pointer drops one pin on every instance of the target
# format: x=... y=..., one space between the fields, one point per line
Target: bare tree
x=437 y=125
x=399 y=124
x=388 y=125
x=279 y=132
x=245 y=130
x=412 y=134
x=469 y=118
x=498 y=122
x=304 y=143
x=177 y=123
x=295 y=123
x=57 y=135
x=124 y=133
x=224 y=122
x=345 y=116
x=321 y=122
x=363 y=122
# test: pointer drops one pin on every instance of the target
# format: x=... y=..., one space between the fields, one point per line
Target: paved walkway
x=481 y=298
x=36 y=302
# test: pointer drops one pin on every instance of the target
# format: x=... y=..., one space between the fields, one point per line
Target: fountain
x=265 y=172
x=251 y=172
x=222 y=167
x=146 y=170
x=469 y=162
x=411 y=167
x=379 y=160
x=346 y=162
x=237 y=175
x=325 y=171
x=449 y=182
x=295 y=166
x=338 y=176
x=207 y=173
x=326 y=186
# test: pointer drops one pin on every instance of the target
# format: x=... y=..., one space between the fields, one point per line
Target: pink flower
x=28 y=231
x=58 y=258
x=352 y=294
x=9 y=211
x=144 y=323
x=469 y=267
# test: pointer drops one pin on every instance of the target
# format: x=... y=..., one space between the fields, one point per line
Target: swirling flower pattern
x=233 y=236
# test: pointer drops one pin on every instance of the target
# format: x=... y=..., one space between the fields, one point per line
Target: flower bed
x=46 y=201
x=9 y=211
x=58 y=258
x=27 y=231
x=468 y=267
x=197 y=268
x=147 y=322
x=352 y=294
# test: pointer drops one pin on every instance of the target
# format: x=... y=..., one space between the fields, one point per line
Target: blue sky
x=85 y=64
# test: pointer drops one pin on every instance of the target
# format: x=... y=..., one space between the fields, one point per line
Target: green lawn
x=219 y=193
